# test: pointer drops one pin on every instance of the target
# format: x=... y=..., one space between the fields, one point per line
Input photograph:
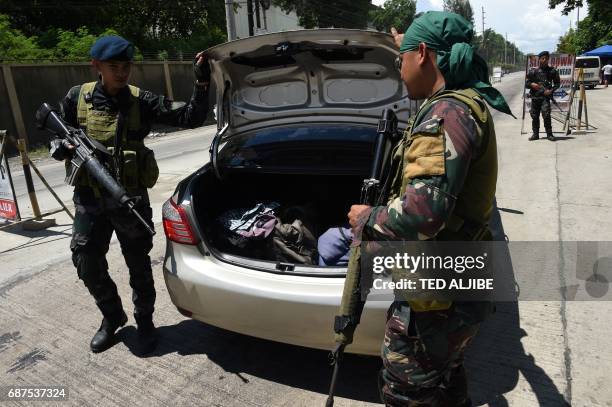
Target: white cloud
x=529 y=23
x=436 y=4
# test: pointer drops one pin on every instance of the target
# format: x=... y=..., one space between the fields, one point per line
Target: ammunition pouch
x=129 y=169
x=148 y=171
x=138 y=168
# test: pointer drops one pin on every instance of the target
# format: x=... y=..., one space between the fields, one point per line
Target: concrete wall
x=40 y=83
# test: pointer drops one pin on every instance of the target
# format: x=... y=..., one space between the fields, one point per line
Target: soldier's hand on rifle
x=535 y=86
x=548 y=92
x=201 y=68
x=61 y=149
x=397 y=37
x=356 y=214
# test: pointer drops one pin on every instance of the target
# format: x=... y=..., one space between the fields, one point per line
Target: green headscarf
x=450 y=36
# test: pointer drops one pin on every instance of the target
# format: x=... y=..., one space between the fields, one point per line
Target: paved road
x=527 y=354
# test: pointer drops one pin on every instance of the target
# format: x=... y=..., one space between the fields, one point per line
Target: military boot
x=147 y=335
x=534 y=136
x=105 y=337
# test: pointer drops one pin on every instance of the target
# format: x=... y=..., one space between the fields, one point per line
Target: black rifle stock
x=84 y=157
x=352 y=303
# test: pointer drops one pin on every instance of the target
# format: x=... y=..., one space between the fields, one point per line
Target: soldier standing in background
x=120 y=116
x=542 y=83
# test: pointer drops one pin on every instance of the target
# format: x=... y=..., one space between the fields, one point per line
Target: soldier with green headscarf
x=444 y=174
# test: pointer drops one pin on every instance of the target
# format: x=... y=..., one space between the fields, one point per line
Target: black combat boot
x=534 y=136
x=147 y=335
x=105 y=337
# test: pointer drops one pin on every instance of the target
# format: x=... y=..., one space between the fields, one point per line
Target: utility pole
x=484 y=47
x=505 y=49
x=229 y=18
x=578 y=17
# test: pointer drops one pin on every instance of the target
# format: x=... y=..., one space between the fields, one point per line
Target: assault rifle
x=352 y=303
x=84 y=157
x=544 y=86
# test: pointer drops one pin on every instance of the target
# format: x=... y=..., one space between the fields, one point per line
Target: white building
x=264 y=21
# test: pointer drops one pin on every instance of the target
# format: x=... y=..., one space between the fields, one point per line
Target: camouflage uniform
x=540 y=103
x=448 y=168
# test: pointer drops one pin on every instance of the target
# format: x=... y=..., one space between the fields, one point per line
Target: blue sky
x=529 y=23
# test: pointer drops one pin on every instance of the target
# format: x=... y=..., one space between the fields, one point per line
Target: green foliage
x=589 y=35
x=50 y=29
x=600 y=10
x=75 y=46
x=491 y=48
x=328 y=13
x=14 y=45
x=592 y=32
x=461 y=7
x=393 y=13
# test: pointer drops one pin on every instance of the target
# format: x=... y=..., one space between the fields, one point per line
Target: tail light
x=176 y=225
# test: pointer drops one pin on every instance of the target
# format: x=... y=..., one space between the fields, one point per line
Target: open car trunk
x=327 y=198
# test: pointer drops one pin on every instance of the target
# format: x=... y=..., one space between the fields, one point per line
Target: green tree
x=599 y=9
x=461 y=7
x=328 y=13
x=593 y=31
x=152 y=25
x=393 y=13
x=14 y=45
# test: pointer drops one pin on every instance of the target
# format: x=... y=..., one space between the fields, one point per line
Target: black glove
x=60 y=149
x=201 y=72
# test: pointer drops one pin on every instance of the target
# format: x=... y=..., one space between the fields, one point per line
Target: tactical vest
x=474 y=204
x=134 y=162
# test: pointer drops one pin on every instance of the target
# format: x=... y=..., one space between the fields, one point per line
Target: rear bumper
x=298 y=310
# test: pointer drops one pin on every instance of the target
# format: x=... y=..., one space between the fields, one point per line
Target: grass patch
x=38 y=152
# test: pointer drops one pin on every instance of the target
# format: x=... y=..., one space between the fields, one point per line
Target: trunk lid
x=323 y=75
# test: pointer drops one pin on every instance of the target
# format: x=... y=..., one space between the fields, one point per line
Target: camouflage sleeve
x=435 y=166
x=159 y=109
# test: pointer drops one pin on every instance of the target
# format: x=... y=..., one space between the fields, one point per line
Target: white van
x=591 y=67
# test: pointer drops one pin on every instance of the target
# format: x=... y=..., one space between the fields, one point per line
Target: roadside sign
x=8 y=201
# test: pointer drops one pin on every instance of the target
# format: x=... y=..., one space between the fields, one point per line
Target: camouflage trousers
x=540 y=105
x=423 y=357
x=91 y=234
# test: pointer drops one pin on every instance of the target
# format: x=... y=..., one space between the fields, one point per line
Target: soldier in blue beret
x=120 y=116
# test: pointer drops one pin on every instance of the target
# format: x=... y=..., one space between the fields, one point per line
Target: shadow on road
x=497 y=356
x=246 y=356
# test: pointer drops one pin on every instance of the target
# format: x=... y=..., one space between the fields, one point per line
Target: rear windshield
x=307 y=147
x=587 y=63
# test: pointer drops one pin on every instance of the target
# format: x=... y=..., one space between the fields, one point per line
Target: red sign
x=8 y=201
x=8 y=209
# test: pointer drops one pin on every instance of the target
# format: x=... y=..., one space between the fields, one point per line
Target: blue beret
x=543 y=54
x=112 y=47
